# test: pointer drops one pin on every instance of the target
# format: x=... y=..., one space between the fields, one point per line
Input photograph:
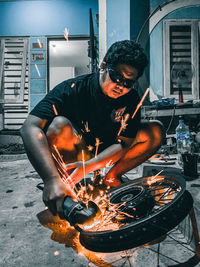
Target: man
x=91 y=106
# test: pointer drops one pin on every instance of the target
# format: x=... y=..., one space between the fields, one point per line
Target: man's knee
x=57 y=125
x=155 y=132
x=61 y=133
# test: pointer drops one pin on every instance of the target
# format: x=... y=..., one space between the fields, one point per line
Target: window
x=181 y=58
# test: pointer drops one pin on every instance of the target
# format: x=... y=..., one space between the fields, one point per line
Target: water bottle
x=182 y=140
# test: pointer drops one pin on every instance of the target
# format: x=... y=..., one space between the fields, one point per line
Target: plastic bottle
x=183 y=140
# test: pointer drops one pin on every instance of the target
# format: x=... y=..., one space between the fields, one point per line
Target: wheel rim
x=171 y=205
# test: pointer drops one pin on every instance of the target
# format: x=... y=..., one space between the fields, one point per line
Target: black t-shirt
x=91 y=112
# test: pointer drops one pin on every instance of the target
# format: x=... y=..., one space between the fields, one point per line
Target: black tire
x=147 y=228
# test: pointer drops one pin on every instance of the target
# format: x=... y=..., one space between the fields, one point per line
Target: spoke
x=162 y=194
x=169 y=258
x=117 y=260
x=168 y=190
x=181 y=244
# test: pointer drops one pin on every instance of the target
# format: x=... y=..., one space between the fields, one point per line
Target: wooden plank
x=12 y=45
x=181 y=53
x=11 y=73
x=14 y=61
x=14 y=79
x=173 y=33
x=181 y=47
x=182 y=41
x=12 y=91
x=14 y=121
x=13 y=56
x=16 y=106
x=12 y=127
x=22 y=115
x=14 y=50
x=14 y=40
x=11 y=97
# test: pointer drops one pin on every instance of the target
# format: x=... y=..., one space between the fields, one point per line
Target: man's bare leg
x=64 y=137
x=147 y=142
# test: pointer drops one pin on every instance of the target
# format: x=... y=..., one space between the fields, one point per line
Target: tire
x=148 y=227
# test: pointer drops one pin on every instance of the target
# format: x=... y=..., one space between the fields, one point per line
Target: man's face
x=116 y=82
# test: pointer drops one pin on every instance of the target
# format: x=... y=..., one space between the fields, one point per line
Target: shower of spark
x=62 y=169
x=140 y=103
x=123 y=123
x=38 y=72
x=85 y=194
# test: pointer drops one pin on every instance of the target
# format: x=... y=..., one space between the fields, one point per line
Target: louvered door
x=181 y=53
x=14 y=82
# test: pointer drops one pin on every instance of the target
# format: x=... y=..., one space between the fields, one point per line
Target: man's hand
x=54 y=193
x=111 y=180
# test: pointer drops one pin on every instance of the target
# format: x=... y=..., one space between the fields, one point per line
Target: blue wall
x=118 y=20
x=156 y=46
x=37 y=18
x=156 y=3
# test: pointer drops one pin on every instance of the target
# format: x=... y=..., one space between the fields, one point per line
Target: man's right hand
x=55 y=190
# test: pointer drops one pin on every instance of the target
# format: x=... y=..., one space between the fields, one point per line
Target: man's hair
x=126 y=52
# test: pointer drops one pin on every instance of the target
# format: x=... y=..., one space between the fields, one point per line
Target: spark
x=109 y=163
x=140 y=103
x=56 y=253
x=83 y=159
x=153 y=179
x=123 y=123
x=85 y=194
x=97 y=146
x=87 y=227
x=55 y=110
x=157 y=174
x=39 y=43
x=62 y=170
x=110 y=180
x=72 y=85
x=37 y=70
x=66 y=34
x=90 y=148
x=86 y=127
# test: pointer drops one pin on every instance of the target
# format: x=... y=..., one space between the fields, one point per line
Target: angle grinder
x=77 y=212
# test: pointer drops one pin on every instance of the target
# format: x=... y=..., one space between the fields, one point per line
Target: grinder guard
x=77 y=212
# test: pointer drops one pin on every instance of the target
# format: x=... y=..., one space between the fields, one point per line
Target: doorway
x=67 y=59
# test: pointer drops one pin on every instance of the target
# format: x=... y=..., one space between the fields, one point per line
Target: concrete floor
x=30 y=236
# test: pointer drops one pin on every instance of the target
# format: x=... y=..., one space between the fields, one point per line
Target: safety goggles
x=118 y=78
